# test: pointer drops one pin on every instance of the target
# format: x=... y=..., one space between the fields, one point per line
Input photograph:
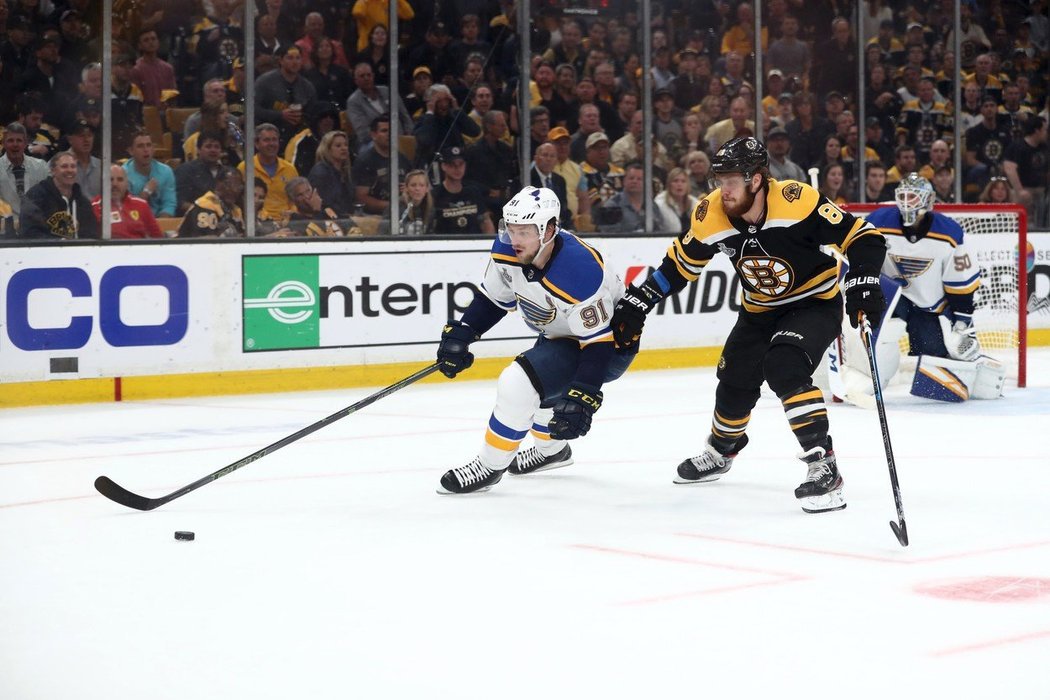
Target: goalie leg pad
x=942 y=379
x=991 y=377
x=516 y=403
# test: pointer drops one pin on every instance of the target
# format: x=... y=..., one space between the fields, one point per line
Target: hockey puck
x=184 y=535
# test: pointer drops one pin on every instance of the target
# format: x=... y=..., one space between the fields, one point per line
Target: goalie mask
x=914 y=197
x=532 y=205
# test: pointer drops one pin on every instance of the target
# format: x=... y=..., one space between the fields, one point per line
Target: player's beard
x=738 y=210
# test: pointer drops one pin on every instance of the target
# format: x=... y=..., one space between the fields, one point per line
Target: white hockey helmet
x=914 y=196
x=532 y=205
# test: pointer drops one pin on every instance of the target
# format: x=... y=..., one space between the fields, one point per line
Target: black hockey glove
x=863 y=293
x=628 y=317
x=572 y=413
x=452 y=352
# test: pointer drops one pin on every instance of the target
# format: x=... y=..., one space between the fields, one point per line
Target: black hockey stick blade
x=118 y=494
x=901 y=531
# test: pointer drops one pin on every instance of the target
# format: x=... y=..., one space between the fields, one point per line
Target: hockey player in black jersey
x=790 y=312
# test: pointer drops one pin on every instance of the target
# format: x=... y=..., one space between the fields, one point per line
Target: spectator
x=565 y=86
x=459 y=206
x=675 y=205
x=940 y=157
x=571 y=172
x=301 y=151
x=81 y=139
x=788 y=54
x=587 y=94
x=371 y=171
x=890 y=49
x=833 y=183
x=542 y=174
x=267 y=40
x=282 y=96
x=417 y=203
x=693 y=131
x=904 y=162
x=539 y=127
x=570 y=50
x=310 y=217
x=148 y=178
x=151 y=73
x=217 y=214
x=662 y=73
x=589 y=123
x=492 y=164
x=483 y=100
x=215 y=119
x=332 y=82
x=40 y=142
x=330 y=174
x=313 y=35
x=778 y=143
x=832 y=153
x=18 y=172
x=219 y=38
x=943 y=185
x=131 y=217
x=741 y=36
x=733 y=78
x=602 y=178
x=982 y=75
x=608 y=91
x=126 y=101
x=924 y=120
x=986 y=142
x=972 y=39
x=998 y=191
x=273 y=170
x=16 y=52
x=214 y=91
x=55 y=207
x=836 y=61
x=469 y=42
x=467 y=79
x=1025 y=166
x=630 y=146
x=433 y=55
x=807 y=131
x=834 y=106
x=544 y=93
x=1013 y=111
x=195 y=178
x=624 y=211
x=875 y=141
x=687 y=86
x=369 y=101
x=738 y=124
x=698 y=166
x=369 y=13
x=48 y=77
x=875 y=187
x=415 y=102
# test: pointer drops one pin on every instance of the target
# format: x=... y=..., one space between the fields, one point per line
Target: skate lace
x=818 y=470
x=708 y=460
x=475 y=471
x=529 y=458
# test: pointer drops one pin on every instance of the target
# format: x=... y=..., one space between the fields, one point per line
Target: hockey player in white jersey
x=564 y=292
x=929 y=281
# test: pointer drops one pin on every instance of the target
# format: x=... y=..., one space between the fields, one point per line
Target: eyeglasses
x=999 y=178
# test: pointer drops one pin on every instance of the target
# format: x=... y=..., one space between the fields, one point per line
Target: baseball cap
x=596 y=137
x=439 y=29
x=451 y=153
x=688 y=51
x=422 y=69
x=69 y=14
x=775 y=132
x=558 y=132
x=660 y=92
x=913 y=25
x=833 y=94
x=80 y=126
x=872 y=121
x=775 y=72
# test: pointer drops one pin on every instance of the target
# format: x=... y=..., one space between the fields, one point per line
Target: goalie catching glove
x=961 y=341
x=573 y=412
x=453 y=355
x=628 y=317
x=863 y=293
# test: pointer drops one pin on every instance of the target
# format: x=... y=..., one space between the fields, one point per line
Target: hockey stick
x=117 y=493
x=899 y=529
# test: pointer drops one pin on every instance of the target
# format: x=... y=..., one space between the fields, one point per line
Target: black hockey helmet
x=744 y=154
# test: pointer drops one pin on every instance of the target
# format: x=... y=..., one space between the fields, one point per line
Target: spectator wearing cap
x=368 y=101
x=459 y=204
x=55 y=208
x=570 y=170
x=74 y=38
x=282 y=96
x=492 y=164
x=18 y=171
x=415 y=100
x=737 y=124
x=835 y=67
x=371 y=170
x=788 y=54
x=81 y=139
x=781 y=167
x=432 y=53
x=874 y=16
x=17 y=52
x=313 y=33
x=688 y=89
x=274 y=171
x=541 y=174
x=130 y=217
x=332 y=82
x=807 y=131
x=196 y=177
x=368 y=13
x=774 y=85
x=587 y=94
x=601 y=177
x=48 y=77
x=876 y=141
x=151 y=73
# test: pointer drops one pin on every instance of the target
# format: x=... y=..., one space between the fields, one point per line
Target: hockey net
x=993 y=235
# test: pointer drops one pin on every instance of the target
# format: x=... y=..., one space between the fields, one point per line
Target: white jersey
x=929 y=268
x=572 y=297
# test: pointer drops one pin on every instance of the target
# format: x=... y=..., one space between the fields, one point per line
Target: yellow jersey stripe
x=501 y=443
x=608 y=338
x=592 y=251
x=726 y=421
x=807 y=396
x=679 y=250
x=964 y=290
x=556 y=291
x=942 y=237
x=505 y=258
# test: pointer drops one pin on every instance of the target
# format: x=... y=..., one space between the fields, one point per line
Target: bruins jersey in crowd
x=779 y=260
x=208 y=217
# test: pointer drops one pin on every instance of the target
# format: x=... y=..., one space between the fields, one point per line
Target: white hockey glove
x=961 y=342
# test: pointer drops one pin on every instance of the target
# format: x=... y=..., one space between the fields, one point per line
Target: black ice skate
x=822 y=489
x=472 y=478
x=530 y=460
x=708 y=465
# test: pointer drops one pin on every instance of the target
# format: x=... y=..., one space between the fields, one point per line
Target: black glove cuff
x=585 y=395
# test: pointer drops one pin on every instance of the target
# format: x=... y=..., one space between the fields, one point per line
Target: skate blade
x=824 y=503
x=702 y=480
x=547 y=468
x=442 y=492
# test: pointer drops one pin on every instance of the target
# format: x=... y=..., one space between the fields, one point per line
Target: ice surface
x=331 y=569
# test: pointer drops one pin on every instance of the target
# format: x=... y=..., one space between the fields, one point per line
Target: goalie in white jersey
x=565 y=292
x=929 y=281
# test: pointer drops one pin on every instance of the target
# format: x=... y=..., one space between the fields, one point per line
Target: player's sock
x=727 y=430
x=709 y=464
x=532 y=460
x=822 y=489
x=470 y=478
x=807 y=415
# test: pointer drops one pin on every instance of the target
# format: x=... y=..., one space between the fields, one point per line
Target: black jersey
x=779 y=260
x=459 y=212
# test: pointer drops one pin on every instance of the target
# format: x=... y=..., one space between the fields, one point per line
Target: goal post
x=996 y=235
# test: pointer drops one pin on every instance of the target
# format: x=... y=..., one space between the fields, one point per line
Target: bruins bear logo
x=701 y=210
x=792 y=191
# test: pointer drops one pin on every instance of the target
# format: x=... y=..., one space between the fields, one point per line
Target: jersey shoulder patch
x=709 y=219
x=576 y=273
x=790 y=200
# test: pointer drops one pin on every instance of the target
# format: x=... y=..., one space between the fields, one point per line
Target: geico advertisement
x=368 y=299
x=107 y=309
